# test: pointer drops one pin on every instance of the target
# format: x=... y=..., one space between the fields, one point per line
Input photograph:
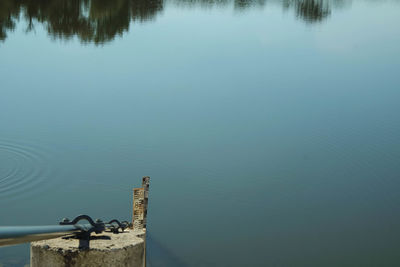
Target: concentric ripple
x=24 y=170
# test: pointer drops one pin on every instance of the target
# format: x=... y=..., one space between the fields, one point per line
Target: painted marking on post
x=138 y=209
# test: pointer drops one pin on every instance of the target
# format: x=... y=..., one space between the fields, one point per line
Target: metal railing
x=12 y=235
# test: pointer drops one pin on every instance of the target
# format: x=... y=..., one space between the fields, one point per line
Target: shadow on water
x=100 y=21
x=160 y=256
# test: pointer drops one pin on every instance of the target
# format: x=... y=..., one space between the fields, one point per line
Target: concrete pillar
x=106 y=249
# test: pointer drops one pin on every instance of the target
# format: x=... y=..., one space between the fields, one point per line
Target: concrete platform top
x=103 y=241
x=106 y=249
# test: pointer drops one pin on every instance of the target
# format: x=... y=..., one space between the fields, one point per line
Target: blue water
x=270 y=129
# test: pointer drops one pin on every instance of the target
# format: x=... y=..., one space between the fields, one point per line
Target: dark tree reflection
x=312 y=10
x=140 y=9
x=244 y=4
x=9 y=12
x=96 y=21
x=100 y=21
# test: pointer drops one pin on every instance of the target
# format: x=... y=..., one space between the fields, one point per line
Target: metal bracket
x=97 y=226
x=115 y=225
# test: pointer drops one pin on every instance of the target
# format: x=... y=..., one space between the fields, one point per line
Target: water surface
x=270 y=129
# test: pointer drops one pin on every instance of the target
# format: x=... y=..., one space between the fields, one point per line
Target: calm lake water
x=270 y=129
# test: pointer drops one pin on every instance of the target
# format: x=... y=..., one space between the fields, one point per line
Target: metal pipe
x=12 y=235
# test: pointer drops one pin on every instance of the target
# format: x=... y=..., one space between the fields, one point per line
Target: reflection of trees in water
x=238 y=4
x=140 y=9
x=95 y=21
x=200 y=3
x=310 y=10
x=9 y=11
x=314 y=10
x=244 y=4
x=100 y=21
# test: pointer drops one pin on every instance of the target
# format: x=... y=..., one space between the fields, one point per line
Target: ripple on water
x=24 y=170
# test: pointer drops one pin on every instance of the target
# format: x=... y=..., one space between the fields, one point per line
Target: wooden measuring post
x=138 y=209
x=140 y=204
